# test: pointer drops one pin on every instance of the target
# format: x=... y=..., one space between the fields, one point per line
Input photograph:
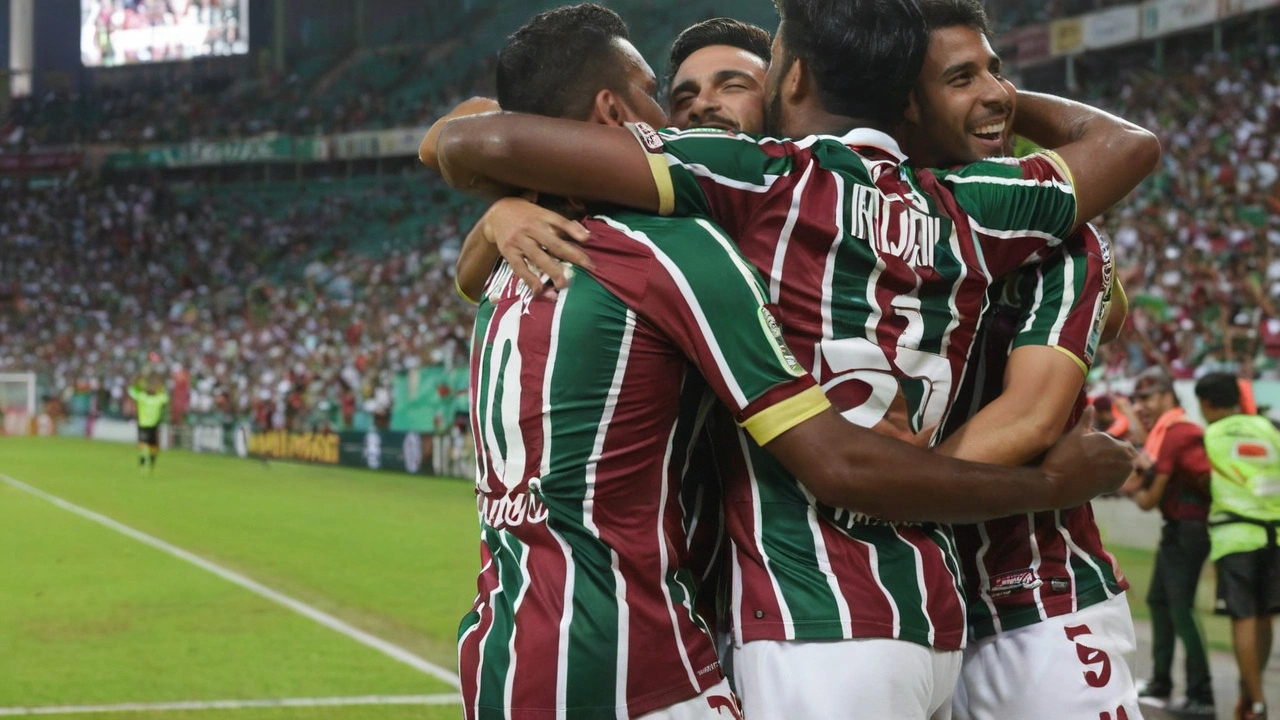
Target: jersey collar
x=868 y=137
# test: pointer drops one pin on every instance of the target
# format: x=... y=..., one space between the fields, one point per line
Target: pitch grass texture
x=89 y=616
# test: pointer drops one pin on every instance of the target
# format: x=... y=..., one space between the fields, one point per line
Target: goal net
x=17 y=402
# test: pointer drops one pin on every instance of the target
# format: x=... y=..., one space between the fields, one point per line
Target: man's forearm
x=1001 y=436
x=475 y=262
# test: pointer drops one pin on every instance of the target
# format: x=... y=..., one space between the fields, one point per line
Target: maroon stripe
x=537 y=638
x=469 y=649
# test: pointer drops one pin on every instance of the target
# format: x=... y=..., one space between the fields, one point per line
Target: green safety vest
x=1245 y=453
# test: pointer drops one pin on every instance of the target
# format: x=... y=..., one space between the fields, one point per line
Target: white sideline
x=395 y=652
x=235 y=704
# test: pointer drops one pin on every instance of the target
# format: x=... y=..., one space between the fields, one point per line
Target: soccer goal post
x=18 y=393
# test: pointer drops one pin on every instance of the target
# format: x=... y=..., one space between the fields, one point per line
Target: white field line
x=394 y=652
x=450 y=699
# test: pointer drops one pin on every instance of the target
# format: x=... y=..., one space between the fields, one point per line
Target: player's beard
x=773 y=113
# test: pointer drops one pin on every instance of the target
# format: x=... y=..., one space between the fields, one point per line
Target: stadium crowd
x=1199 y=244
x=104 y=275
x=104 y=284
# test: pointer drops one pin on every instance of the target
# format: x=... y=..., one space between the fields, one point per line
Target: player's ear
x=912 y=113
x=797 y=83
x=608 y=109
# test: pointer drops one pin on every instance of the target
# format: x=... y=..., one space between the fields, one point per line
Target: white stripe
x=824 y=565
x=920 y=583
x=1068 y=299
x=1071 y=573
x=984 y=578
x=703 y=171
x=234 y=704
x=394 y=652
x=663 y=561
x=566 y=621
x=1052 y=240
x=509 y=691
x=673 y=270
x=1035 y=563
x=735 y=596
x=1076 y=550
x=873 y=560
x=1039 y=298
x=1015 y=182
x=553 y=351
x=514 y=461
x=758 y=533
x=784 y=238
x=748 y=273
x=588 y=512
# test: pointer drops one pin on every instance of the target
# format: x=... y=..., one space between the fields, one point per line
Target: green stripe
x=591 y=317
x=789 y=543
x=484 y=318
x=496 y=661
x=899 y=568
x=499 y=428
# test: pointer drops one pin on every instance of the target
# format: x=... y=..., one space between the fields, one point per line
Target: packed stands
x=326 y=299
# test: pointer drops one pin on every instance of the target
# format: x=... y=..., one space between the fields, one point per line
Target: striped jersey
x=584 y=409
x=1023 y=569
x=880 y=273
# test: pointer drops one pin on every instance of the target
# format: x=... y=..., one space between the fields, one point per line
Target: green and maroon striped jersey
x=1023 y=569
x=880 y=274
x=585 y=408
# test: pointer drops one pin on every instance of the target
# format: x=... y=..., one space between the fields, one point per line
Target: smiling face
x=961 y=108
x=719 y=86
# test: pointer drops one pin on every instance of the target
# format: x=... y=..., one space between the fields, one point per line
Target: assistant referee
x=151 y=401
x=1244 y=451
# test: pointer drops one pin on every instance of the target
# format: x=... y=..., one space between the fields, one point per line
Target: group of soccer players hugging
x=778 y=391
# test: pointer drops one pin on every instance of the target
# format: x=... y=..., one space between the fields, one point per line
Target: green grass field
x=90 y=616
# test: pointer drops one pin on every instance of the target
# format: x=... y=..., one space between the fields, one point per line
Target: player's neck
x=817 y=121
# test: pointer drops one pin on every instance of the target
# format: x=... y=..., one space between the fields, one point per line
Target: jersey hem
x=822 y=631
x=1030 y=614
x=640 y=706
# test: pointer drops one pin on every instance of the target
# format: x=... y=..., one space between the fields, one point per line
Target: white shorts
x=716 y=703
x=1072 y=666
x=845 y=680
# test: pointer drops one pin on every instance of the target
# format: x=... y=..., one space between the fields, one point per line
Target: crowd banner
x=284 y=445
x=1026 y=45
x=396 y=142
x=1227 y=8
x=1108 y=28
x=16 y=422
x=124 y=431
x=408 y=452
x=39 y=162
x=268 y=149
x=1162 y=17
x=1066 y=36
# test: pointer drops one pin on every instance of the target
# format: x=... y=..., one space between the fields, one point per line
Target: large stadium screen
x=130 y=32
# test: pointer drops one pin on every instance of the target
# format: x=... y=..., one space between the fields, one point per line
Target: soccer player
x=584 y=407
x=1176 y=478
x=151 y=400
x=1244 y=452
x=815 y=216
x=1037 y=586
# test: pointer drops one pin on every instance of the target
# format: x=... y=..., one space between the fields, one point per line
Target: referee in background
x=151 y=401
x=1244 y=451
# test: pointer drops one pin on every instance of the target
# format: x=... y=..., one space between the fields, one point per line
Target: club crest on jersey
x=1011 y=582
x=774 y=331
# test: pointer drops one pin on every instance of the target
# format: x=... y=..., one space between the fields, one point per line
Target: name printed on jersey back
x=895 y=228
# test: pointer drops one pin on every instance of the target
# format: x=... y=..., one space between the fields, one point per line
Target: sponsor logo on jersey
x=513 y=509
x=1108 y=271
x=648 y=137
x=895 y=228
x=1059 y=584
x=774 y=331
x=1011 y=582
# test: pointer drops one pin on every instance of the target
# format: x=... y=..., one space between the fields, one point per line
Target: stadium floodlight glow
x=132 y=33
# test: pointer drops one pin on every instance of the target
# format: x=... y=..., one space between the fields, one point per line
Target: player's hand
x=896 y=423
x=536 y=242
x=1084 y=464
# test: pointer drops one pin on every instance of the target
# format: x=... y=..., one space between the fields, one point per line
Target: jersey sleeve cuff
x=1075 y=357
x=1065 y=172
x=462 y=294
x=652 y=145
x=780 y=417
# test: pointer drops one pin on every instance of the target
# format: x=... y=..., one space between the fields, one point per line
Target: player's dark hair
x=1220 y=390
x=941 y=14
x=558 y=62
x=719 y=31
x=864 y=55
